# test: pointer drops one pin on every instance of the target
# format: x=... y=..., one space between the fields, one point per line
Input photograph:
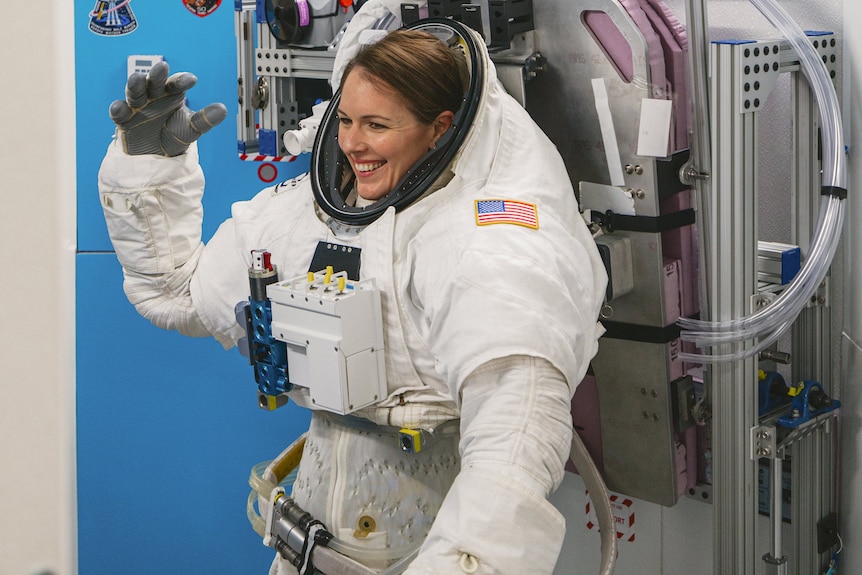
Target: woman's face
x=380 y=136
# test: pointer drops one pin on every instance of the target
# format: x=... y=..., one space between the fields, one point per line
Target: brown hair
x=428 y=75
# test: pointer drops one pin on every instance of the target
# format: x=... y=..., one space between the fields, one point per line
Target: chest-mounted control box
x=332 y=328
x=322 y=332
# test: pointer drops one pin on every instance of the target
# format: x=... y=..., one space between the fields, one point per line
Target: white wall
x=37 y=251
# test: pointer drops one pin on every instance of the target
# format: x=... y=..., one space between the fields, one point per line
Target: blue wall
x=168 y=426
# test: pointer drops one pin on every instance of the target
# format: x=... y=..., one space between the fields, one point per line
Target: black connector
x=827 y=533
x=840 y=193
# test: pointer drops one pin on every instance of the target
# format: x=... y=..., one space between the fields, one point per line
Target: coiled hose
x=767 y=325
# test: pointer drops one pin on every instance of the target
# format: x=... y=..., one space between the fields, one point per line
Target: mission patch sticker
x=113 y=18
x=202 y=7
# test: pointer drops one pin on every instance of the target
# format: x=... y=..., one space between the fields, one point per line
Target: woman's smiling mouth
x=367 y=167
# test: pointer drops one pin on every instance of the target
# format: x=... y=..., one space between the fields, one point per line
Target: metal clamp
x=762 y=442
x=775 y=566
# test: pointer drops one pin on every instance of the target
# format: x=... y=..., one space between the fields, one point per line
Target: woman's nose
x=349 y=139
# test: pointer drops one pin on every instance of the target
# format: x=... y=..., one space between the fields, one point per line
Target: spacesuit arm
x=152 y=207
x=515 y=435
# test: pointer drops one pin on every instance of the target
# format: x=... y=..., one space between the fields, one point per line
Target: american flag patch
x=506 y=212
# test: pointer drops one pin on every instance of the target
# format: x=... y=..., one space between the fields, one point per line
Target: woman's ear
x=442 y=124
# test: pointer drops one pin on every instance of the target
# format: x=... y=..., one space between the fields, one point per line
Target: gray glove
x=154 y=118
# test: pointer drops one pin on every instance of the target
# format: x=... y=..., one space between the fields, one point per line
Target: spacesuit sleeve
x=152 y=207
x=515 y=435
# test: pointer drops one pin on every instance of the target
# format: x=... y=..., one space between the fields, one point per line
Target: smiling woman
x=416 y=91
x=380 y=134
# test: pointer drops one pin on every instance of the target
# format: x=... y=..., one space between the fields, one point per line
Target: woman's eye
x=344 y=121
x=376 y=126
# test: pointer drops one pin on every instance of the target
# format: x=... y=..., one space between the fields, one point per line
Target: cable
x=600 y=498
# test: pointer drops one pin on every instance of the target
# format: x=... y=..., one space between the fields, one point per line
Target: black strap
x=840 y=193
x=650 y=224
x=317 y=535
x=641 y=333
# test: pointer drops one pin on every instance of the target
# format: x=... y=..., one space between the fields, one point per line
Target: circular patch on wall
x=202 y=7
x=267 y=172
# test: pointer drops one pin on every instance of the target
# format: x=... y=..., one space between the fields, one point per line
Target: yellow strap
x=288 y=461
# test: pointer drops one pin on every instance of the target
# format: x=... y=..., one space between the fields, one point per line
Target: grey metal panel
x=645 y=304
x=637 y=436
x=561 y=99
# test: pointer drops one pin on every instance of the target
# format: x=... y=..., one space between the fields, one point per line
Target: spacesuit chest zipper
x=340 y=482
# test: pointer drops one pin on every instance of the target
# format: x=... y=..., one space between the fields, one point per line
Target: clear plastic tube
x=818 y=259
x=767 y=324
x=369 y=554
x=402 y=564
x=741 y=354
x=825 y=239
x=788 y=304
x=263 y=480
x=834 y=163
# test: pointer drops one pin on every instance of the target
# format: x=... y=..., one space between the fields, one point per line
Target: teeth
x=368 y=167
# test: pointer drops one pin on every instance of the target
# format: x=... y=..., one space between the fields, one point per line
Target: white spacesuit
x=492 y=324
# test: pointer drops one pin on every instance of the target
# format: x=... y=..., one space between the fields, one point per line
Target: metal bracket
x=689 y=174
x=508 y=17
x=775 y=566
x=260 y=95
x=519 y=64
x=821 y=297
x=700 y=492
x=822 y=421
x=762 y=443
x=444 y=8
x=761 y=300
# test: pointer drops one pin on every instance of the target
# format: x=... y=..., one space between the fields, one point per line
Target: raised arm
x=150 y=187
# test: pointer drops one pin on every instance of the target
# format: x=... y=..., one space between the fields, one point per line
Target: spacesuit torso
x=475 y=313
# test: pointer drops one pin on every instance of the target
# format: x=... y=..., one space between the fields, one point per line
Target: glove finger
x=136 y=90
x=184 y=127
x=180 y=82
x=207 y=118
x=120 y=111
x=156 y=80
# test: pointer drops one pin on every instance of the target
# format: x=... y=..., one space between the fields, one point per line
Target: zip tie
x=317 y=535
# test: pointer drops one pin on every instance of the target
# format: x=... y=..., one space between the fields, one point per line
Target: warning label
x=624 y=516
